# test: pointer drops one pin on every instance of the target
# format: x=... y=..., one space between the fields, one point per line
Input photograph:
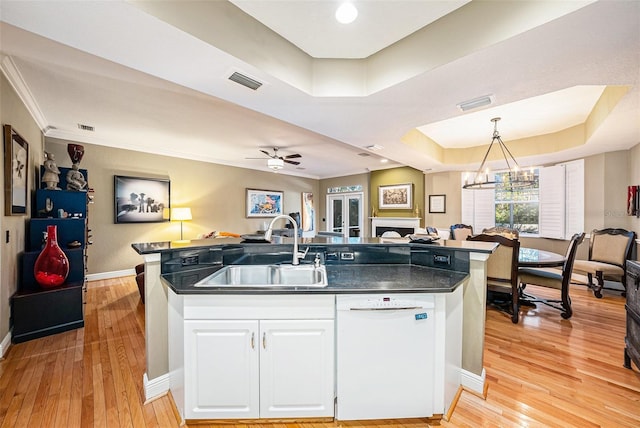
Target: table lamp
x=181 y=214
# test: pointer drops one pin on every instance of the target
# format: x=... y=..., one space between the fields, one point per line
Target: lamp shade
x=181 y=214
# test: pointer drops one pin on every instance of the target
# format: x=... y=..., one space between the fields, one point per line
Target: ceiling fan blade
x=291 y=162
x=266 y=153
x=296 y=155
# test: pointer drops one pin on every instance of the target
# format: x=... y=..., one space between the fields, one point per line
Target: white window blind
x=562 y=200
x=552 y=202
x=478 y=208
x=574 y=196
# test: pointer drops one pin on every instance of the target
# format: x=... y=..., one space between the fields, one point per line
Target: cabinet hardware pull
x=264 y=340
x=253 y=340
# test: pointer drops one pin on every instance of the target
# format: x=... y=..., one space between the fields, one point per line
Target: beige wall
x=215 y=194
x=14 y=113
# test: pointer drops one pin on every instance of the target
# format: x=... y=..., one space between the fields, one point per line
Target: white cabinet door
x=296 y=368
x=221 y=369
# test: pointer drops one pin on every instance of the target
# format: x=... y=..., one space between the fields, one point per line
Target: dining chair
x=609 y=250
x=502 y=271
x=460 y=232
x=552 y=278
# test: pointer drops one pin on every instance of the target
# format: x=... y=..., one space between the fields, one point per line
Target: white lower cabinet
x=258 y=368
x=221 y=369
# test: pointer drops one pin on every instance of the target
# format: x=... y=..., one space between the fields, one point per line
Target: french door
x=345 y=214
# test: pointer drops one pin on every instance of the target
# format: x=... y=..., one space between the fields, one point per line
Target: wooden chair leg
x=566 y=305
x=597 y=289
x=515 y=304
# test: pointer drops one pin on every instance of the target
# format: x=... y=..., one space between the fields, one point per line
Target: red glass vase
x=52 y=265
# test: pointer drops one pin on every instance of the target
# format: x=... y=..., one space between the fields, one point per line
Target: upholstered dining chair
x=609 y=250
x=460 y=232
x=502 y=270
x=552 y=278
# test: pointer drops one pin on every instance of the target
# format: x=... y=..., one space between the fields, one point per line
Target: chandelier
x=517 y=178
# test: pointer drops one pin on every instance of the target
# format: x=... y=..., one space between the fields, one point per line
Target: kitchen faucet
x=296 y=254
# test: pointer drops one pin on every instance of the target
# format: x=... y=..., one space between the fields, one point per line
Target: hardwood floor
x=544 y=371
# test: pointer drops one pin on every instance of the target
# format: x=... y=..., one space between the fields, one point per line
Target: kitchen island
x=367 y=266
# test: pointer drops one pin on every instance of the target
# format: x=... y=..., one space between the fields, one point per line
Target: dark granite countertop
x=168 y=246
x=342 y=279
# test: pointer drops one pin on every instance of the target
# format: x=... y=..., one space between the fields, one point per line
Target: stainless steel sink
x=267 y=276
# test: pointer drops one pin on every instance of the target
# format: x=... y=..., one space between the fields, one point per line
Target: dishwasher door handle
x=399 y=308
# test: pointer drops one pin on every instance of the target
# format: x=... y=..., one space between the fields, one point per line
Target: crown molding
x=11 y=72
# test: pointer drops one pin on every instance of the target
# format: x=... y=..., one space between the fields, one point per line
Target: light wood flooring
x=545 y=371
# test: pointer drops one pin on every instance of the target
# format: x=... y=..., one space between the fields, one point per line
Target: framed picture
x=264 y=203
x=16 y=170
x=308 y=212
x=141 y=200
x=397 y=196
x=437 y=203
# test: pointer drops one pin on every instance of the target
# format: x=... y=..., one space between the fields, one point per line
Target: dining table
x=532 y=257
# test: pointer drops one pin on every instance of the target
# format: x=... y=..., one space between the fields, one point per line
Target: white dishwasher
x=385 y=361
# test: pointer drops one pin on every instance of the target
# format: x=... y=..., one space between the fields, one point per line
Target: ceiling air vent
x=86 y=127
x=363 y=154
x=245 y=81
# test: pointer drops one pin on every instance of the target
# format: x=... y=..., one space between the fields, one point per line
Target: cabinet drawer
x=632 y=339
x=633 y=285
x=281 y=306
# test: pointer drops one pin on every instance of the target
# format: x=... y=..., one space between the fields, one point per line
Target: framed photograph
x=397 y=196
x=264 y=203
x=16 y=170
x=141 y=200
x=437 y=204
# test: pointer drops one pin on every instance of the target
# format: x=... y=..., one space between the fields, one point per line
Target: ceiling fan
x=276 y=162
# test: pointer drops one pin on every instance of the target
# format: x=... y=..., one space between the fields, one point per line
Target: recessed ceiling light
x=346 y=13
x=374 y=147
x=384 y=160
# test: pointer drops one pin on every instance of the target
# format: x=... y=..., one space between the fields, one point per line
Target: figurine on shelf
x=75 y=179
x=76 y=152
x=51 y=172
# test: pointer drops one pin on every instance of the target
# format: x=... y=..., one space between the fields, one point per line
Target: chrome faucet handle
x=303 y=254
x=317 y=261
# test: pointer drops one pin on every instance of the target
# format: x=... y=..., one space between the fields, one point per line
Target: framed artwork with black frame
x=141 y=200
x=437 y=204
x=263 y=203
x=16 y=171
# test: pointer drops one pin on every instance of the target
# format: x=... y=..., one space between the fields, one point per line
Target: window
x=554 y=208
x=517 y=208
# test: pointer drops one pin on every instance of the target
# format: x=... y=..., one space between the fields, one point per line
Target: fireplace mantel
x=393 y=222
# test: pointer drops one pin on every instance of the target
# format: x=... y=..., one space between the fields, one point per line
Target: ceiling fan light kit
x=275 y=164
x=518 y=178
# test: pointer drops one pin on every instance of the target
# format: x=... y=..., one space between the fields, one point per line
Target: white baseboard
x=109 y=275
x=473 y=382
x=156 y=387
x=4 y=345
